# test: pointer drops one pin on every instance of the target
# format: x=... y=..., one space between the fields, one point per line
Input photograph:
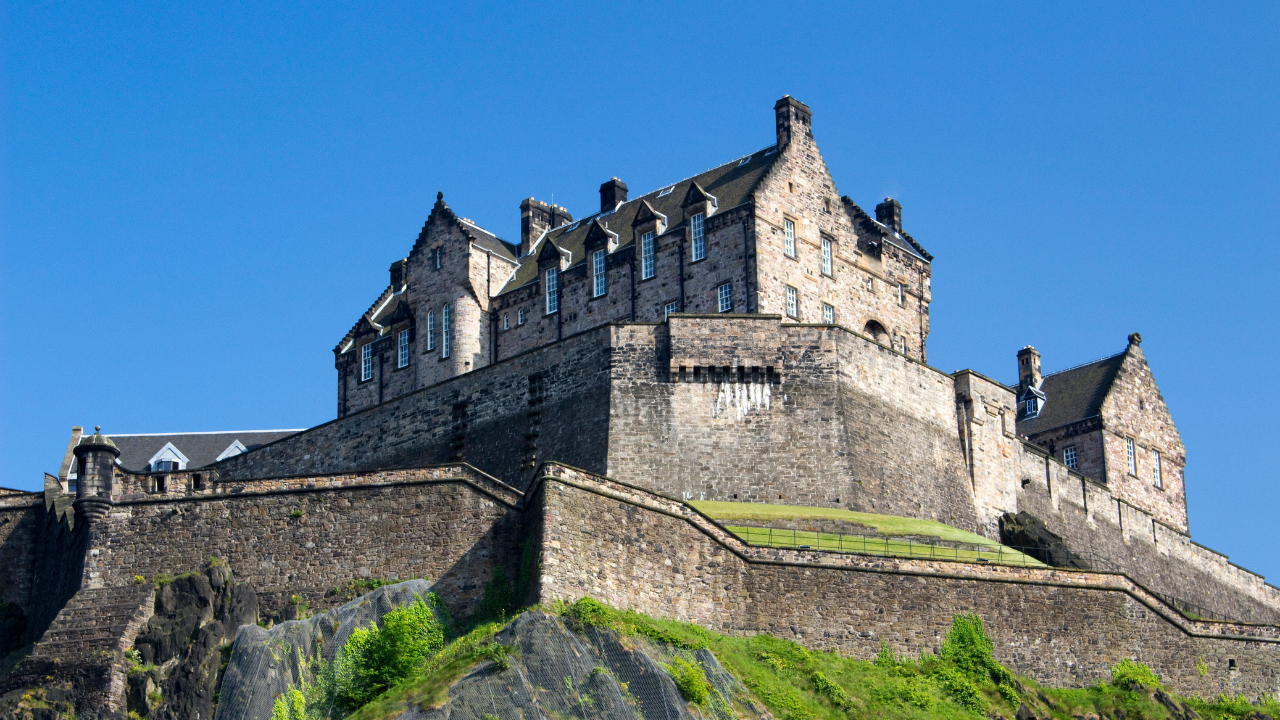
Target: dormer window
x=697 y=225
x=551 y=288
x=646 y=256
x=789 y=233
x=366 y=362
x=402 y=349
x=598 y=277
x=1033 y=407
x=165 y=466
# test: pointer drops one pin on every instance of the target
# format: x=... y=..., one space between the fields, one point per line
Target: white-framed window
x=646 y=256
x=724 y=297
x=699 y=236
x=671 y=307
x=597 y=273
x=366 y=361
x=1156 y=475
x=826 y=256
x=431 y=330
x=1069 y=458
x=1131 y=456
x=552 y=286
x=437 y=257
x=789 y=231
x=828 y=314
x=444 y=331
x=793 y=302
x=402 y=349
x=520 y=316
x=902 y=293
x=506 y=321
x=871 y=285
x=1033 y=406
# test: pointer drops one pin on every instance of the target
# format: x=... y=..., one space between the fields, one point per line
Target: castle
x=744 y=335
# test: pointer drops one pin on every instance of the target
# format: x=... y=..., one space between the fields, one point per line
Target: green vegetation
x=885 y=525
x=691 y=680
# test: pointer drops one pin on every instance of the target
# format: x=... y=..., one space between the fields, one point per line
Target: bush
x=589 y=612
x=1130 y=675
x=829 y=689
x=375 y=658
x=691 y=680
x=885 y=658
x=899 y=690
x=499 y=598
x=961 y=689
x=968 y=647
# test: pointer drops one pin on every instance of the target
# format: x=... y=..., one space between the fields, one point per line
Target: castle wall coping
x=970 y=371
x=948 y=569
x=21 y=502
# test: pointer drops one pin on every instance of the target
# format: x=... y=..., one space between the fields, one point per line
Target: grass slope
x=728 y=512
x=798 y=684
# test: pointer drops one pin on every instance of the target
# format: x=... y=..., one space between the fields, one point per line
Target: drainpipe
x=746 y=263
x=633 y=284
x=682 y=307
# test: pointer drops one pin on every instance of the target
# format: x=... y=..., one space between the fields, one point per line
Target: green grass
x=889 y=525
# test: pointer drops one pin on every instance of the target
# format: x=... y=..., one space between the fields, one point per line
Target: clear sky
x=199 y=199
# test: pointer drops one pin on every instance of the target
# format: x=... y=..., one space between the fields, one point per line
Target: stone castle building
x=746 y=334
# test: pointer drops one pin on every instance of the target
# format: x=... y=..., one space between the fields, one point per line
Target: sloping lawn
x=733 y=516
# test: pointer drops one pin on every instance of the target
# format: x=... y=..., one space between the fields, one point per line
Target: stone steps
x=96 y=619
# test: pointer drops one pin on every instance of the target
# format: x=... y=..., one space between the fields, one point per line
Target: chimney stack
x=397 y=273
x=889 y=214
x=794 y=119
x=1028 y=368
x=612 y=194
x=535 y=219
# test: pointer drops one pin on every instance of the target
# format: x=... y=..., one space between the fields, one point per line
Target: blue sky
x=199 y=200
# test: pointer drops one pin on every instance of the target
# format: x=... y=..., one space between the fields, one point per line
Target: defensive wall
x=635 y=549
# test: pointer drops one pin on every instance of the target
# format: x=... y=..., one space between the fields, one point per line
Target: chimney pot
x=612 y=194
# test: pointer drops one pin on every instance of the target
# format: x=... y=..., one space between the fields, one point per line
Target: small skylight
x=666 y=192
x=573 y=226
x=744 y=161
x=770 y=152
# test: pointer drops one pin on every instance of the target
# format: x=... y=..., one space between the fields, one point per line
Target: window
x=699 y=239
x=1156 y=477
x=828 y=315
x=444 y=331
x=724 y=297
x=597 y=273
x=789 y=229
x=366 y=362
x=1069 y=458
x=506 y=321
x=826 y=256
x=431 y=330
x=871 y=284
x=646 y=256
x=552 y=289
x=520 y=316
x=1130 y=456
x=1033 y=406
x=902 y=293
x=437 y=257
x=793 y=302
x=165 y=465
x=666 y=191
x=671 y=307
x=744 y=161
x=402 y=346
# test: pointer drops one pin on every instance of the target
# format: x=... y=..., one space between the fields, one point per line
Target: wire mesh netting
x=265 y=663
x=557 y=673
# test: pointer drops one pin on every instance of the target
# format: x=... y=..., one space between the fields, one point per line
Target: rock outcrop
x=1028 y=533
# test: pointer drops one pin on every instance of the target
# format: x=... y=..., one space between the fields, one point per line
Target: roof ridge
x=202 y=432
x=1091 y=362
x=713 y=167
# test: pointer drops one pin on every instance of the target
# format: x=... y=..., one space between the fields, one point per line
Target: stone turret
x=1028 y=368
x=97 y=456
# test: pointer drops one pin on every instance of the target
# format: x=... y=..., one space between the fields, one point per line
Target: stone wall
x=550 y=402
x=636 y=550
x=308 y=535
x=765 y=412
x=22 y=516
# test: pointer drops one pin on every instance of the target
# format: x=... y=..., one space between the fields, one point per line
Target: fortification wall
x=549 y=402
x=21 y=520
x=306 y=535
x=637 y=550
x=745 y=408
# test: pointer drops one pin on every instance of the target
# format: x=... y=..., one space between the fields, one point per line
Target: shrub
x=967 y=646
x=292 y=705
x=832 y=691
x=589 y=612
x=499 y=598
x=885 y=658
x=691 y=680
x=900 y=690
x=960 y=688
x=375 y=658
x=1130 y=675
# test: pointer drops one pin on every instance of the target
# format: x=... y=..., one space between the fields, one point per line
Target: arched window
x=875 y=331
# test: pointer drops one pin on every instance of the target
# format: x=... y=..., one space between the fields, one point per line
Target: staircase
x=85 y=645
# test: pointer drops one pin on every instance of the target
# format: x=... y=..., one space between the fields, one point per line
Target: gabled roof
x=200 y=449
x=1073 y=395
x=478 y=235
x=731 y=184
x=901 y=240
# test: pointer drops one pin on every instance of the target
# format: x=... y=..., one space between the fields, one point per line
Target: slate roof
x=731 y=184
x=488 y=241
x=1073 y=395
x=200 y=448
